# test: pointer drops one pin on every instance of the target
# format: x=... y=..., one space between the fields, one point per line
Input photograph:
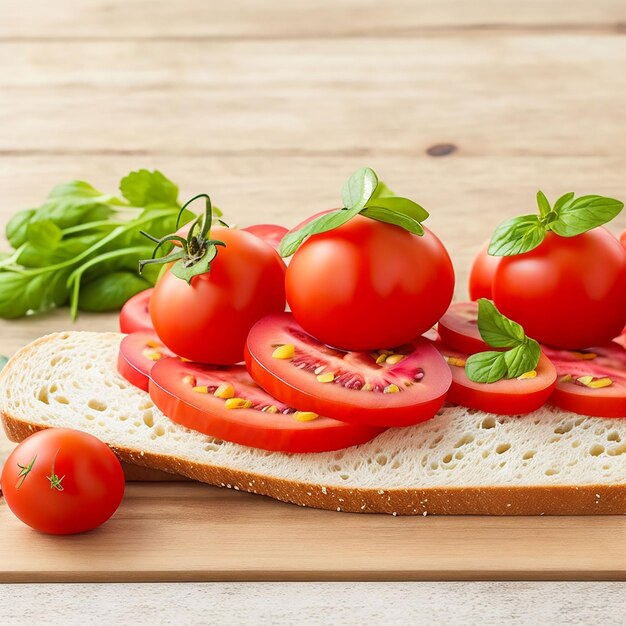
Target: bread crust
x=489 y=500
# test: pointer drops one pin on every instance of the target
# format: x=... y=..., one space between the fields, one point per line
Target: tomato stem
x=24 y=472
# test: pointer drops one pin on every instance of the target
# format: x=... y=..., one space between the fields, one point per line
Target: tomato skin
x=482 y=273
x=208 y=321
x=135 y=314
x=90 y=475
x=623 y=239
x=138 y=353
x=504 y=397
x=247 y=426
x=568 y=292
x=271 y=234
x=369 y=285
x=458 y=328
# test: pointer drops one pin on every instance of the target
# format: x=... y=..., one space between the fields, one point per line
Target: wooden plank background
x=269 y=106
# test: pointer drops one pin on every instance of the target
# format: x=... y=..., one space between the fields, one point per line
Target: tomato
x=592 y=381
x=623 y=239
x=135 y=314
x=568 y=292
x=381 y=388
x=482 y=273
x=269 y=233
x=185 y=392
x=208 y=320
x=369 y=285
x=138 y=353
x=61 y=481
x=505 y=397
x=458 y=328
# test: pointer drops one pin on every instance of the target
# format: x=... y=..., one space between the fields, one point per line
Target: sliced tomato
x=591 y=381
x=458 y=328
x=504 y=397
x=384 y=388
x=138 y=353
x=135 y=314
x=185 y=392
x=269 y=233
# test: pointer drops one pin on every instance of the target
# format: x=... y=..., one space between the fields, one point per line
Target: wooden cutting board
x=191 y=532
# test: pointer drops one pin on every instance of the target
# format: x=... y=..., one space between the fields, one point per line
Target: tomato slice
x=504 y=397
x=269 y=233
x=135 y=314
x=591 y=381
x=458 y=328
x=185 y=392
x=384 y=388
x=138 y=353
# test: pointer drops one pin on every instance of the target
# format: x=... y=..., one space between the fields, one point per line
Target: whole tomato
x=209 y=319
x=569 y=292
x=623 y=239
x=482 y=273
x=368 y=285
x=61 y=481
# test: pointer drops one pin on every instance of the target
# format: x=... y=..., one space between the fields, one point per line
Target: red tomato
x=623 y=238
x=369 y=285
x=458 y=328
x=381 y=388
x=185 y=392
x=135 y=314
x=208 y=321
x=138 y=353
x=61 y=481
x=593 y=381
x=482 y=273
x=505 y=397
x=568 y=292
x=269 y=233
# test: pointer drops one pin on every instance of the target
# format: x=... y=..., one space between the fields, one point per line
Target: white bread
x=461 y=462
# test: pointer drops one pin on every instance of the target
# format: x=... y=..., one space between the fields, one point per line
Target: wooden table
x=269 y=106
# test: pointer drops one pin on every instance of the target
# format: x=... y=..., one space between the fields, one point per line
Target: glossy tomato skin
x=135 y=314
x=269 y=233
x=90 y=482
x=568 y=292
x=208 y=320
x=138 y=353
x=482 y=273
x=623 y=239
x=504 y=397
x=458 y=328
x=369 y=285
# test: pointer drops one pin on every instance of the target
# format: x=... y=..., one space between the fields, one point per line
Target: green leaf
x=77 y=189
x=584 y=213
x=543 y=204
x=382 y=191
x=201 y=267
x=522 y=358
x=359 y=188
x=497 y=330
x=3 y=361
x=144 y=189
x=44 y=234
x=400 y=205
x=17 y=228
x=562 y=201
x=486 y=367
x=292 y=240
x=110 y=291
x=21 y=293
x=516 y=236
x=32 y=256
x=391 y=217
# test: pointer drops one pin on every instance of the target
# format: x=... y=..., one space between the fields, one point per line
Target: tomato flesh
x=135 y=314
x=583 y=374
x=482 y=273
x=61 y=481
x=269 y=233
x=504 y=397
x=348 y=386
x=185 y=393
x=138 y=353
x=458 y=328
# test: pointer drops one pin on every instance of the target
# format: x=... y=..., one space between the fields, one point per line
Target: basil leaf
x=522 y=358
x=584 y=213
x=76 y=189
x=497 y=330
x=44 y=234
x=563 y=200
x=144 y=188
x=516 y=236
x=17 y=228
x=21 y=293
x=400 y=205
x=382 y=191
x=110 y=291
x=32 y=256
x=292 y=240
x=3 y=361
x=486 y=367
x=359 y=188
x=391 y=217
x=543 y=204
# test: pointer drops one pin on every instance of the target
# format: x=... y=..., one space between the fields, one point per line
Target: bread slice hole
x=596 y=449
x=488 y=422
x=551 y=472
x=96 y=405
x=529 y=454
x=467 y=438
x=159 y=431
x=381 y=459
x=61 y=399
x=614 y=436
x=575 y=443
x=502 y=448
x=42 y=396
x=148 y=419
x=564 y=428
x=617 y=450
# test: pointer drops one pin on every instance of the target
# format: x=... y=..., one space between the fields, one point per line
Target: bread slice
x=461 y=462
